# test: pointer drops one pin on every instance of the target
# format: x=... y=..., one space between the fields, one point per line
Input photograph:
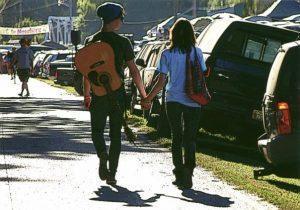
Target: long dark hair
x=182 y=35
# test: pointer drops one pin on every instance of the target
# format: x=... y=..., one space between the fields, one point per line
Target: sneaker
x=111 y=179
x=103 y=171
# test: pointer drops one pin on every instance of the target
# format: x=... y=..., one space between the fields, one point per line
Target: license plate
x=257 y=115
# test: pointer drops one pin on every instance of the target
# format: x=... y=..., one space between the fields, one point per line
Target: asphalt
x=47 y=161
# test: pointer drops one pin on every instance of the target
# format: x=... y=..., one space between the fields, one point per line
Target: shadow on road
x=50 y=128
x=123 y=195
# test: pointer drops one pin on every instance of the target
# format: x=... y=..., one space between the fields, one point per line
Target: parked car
x=37 y=62
x=280 y=144
x=65 y=76
x=239 y=55
x=50 y=57
x=63 y=63
x=146 y=61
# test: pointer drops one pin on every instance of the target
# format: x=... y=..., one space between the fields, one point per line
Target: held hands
x=87 y=102
x=146 y=103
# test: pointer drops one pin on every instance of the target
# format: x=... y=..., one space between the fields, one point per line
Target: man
x=23 y=59
x=10 y=56
x=100 y=107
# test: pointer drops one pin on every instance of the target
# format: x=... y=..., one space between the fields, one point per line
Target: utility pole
x=194 y=8
x=20 y=10
x=176 y=5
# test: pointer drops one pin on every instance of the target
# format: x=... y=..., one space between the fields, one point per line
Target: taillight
x=284 y=124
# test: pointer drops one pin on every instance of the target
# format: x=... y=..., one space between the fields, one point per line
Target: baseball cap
x=110 y=11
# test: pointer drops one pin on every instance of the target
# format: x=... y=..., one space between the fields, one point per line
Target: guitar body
x=95 y=61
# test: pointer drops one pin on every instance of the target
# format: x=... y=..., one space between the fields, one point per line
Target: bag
x=195 y=84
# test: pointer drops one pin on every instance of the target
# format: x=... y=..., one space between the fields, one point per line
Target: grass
x=234 y=164
x=69 y=89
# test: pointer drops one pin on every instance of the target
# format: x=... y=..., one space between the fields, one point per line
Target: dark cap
x=110 y=11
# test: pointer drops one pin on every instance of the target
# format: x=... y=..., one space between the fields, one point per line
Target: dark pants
x=184 y=123
x=101 y=108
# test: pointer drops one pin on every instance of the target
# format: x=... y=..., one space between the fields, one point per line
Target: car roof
x=290 y=45
x=226 y=25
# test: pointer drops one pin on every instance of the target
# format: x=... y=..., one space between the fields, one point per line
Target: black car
x=281 y=115
x=239 y=55
x=146 y=61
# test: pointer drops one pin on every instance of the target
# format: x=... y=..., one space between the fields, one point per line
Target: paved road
x=47 y=161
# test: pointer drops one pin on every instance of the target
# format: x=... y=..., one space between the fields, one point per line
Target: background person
x=23 y=59
x=100 y=106
x=178 y=106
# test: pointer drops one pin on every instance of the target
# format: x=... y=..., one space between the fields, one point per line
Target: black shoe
x=27 y=95
x=20 y=94
x=187 y=182
x=178 y=178
x=103 y=171
x=111 y=180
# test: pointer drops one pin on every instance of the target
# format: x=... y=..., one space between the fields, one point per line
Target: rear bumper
x=281 y=151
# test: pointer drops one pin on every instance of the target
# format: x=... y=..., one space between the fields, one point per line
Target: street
x=48 y=162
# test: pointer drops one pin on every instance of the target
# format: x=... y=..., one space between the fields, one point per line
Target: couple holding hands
x=179 y=106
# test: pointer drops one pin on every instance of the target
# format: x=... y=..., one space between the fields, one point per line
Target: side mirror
x=140 y=62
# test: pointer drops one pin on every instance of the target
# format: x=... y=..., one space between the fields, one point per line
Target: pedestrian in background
x=178 y=105
x=13 y=67
x=1 y=63
x=100 y=106
x=23 y=59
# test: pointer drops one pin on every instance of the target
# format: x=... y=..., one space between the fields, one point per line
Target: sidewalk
x=47 y=161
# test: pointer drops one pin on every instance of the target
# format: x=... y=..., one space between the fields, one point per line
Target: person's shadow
x=133 y=198
x=123 y=195
x=195 y=196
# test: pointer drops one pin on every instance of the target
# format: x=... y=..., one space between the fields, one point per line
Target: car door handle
x=223 y=76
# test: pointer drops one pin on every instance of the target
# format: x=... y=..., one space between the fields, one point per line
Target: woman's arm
x=134 y=72
x=157 y=87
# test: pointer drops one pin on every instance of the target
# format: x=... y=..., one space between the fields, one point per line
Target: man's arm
x=86 y=86
x=134 y=72
x=86 y=92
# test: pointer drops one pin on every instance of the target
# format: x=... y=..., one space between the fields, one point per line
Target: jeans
x=101 y=108
x=184 y=122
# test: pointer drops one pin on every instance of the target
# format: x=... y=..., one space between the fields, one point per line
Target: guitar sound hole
x=104 y=79
x=99 y=63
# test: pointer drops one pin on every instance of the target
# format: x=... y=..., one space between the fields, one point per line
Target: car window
x=61 y=56
x=154 y=56
x=271 y=50
x=253 y=49
x=261 y=49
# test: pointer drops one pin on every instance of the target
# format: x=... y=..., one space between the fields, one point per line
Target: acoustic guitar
x=96 y=61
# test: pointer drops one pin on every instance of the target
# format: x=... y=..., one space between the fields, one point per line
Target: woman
x=173 y=66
